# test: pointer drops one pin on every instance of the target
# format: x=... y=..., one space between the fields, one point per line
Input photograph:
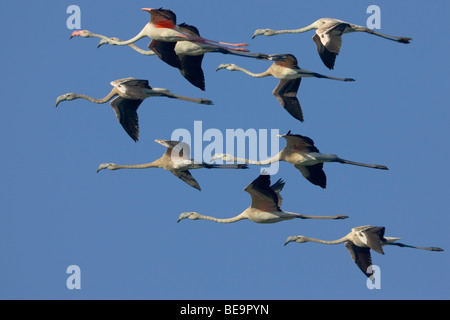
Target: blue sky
x=120 y=227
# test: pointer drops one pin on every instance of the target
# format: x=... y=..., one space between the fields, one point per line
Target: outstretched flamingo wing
x=191 y=70
x=166 y=52
x=286 y=93
x=314 y=174
x=265 y=197
x=177 y=149
x=361 y=256
x=187 y=177
x=328 y=40
x=126 y=113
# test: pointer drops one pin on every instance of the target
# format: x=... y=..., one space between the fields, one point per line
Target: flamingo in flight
x=359 y=242
x=164 y=32
x=188 y=55
x=328 y=36
x=304 y=155
x=285 y=67
x=265 y=205
x=128 y=95
x=176 y=160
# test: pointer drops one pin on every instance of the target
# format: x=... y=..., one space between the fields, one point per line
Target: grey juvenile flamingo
x=359 y=242
x=265 y=206
x=304 y=155
x=328 y=36
x=285 y=68
x=130 y=93
x=176 y=160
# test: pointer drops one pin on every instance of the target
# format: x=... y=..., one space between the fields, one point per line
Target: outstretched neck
x=111 y=95
x=227 y=220
x=140 y=35
x=301 y=30
x=274 y=159
x=106 y=40
x=252 y=74
x=331 y=242
x=154 y=164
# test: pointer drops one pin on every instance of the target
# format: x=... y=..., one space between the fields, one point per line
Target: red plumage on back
x=164 y=24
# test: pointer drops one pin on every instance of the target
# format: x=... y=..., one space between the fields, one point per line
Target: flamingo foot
x=404 y=40
x=240 y=49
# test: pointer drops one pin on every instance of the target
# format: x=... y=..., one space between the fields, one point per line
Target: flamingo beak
x=74 y=34
x=276 y=57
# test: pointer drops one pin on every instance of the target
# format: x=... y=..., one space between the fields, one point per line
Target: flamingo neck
x=154 y=164
x=252 y=74
x=301 y=30
x=111 y=95
x=227 y=220
x=274 y=159
x=331 y=242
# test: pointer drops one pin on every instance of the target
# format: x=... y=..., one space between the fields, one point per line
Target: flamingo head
x=64 y=97
x=188 y=215
x=81 y=33
x=264 y=32
x=222 y=156
x=159 y=15
x=299 y=239
x=110 y=166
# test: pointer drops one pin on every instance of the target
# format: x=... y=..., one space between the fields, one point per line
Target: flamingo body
x=175 y=160
x=126 y=97
x=285 y=68
x=359 y=242
x=304 y=155
x=328 y=36
x=265 y=206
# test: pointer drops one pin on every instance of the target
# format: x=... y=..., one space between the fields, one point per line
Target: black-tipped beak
x=276 y=57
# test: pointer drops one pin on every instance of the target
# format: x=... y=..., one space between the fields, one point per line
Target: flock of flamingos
x=182 y=47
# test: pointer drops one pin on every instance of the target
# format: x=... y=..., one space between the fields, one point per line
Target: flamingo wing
x=328 y=40
x=126 y=113
x=191 y=70
x=299 y=143
x=133 y=88
x=177 y=149
x=187 y=177
x=286 y=93
x=265 y=198
x=133 y=82
x=125 y=80
x=361 y=256
x=314 y=174
x=277 y=187
x=373 y=238
x=166 y=52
